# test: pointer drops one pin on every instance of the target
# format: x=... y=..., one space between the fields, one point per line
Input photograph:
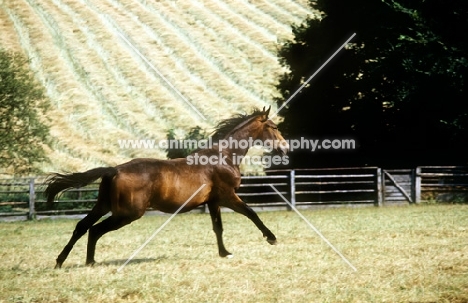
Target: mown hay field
x=402 y=254
x=115 y=69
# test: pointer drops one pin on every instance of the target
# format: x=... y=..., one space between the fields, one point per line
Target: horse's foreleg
x=215 y=214
x=239 y=206
x=98 y=230
x=81 y=228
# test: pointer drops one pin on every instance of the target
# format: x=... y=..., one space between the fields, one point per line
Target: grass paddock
x=402 y=254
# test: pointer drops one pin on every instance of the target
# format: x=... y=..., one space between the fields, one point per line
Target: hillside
x=117 y=69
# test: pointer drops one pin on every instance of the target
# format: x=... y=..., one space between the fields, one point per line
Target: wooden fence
x=303 y=188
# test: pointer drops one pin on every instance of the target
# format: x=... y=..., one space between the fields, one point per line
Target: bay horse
x=128 y=189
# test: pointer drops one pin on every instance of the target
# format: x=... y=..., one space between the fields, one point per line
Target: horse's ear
x=267 y=112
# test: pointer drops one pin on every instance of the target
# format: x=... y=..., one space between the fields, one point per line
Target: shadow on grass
x=133 y=261
x=119 y=262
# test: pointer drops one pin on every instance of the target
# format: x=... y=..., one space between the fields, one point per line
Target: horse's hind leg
x=215 y=213
x=98 y=230
x=81 y=228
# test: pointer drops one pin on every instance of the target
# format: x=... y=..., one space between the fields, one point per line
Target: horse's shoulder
x=228 y=175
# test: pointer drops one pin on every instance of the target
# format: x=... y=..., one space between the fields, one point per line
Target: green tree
x=22 y=104
x=195 y=133
x=399 y=88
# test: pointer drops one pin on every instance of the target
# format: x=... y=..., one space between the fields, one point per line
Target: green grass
x=403 y=254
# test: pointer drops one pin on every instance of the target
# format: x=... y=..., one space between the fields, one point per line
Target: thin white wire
x=313 y=75
x=160 y=228
x=160 y=74
x=314 y=229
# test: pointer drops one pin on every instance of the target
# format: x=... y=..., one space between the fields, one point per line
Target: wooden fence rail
x=302 y=187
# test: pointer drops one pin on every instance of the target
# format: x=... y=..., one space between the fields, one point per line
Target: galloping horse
x=128 y=189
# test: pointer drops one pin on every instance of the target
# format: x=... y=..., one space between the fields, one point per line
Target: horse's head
x=269 y=133
x=254 y=126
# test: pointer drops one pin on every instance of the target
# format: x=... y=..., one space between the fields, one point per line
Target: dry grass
x=403 y=254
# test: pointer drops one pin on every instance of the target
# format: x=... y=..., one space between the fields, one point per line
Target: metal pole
x=32 y=200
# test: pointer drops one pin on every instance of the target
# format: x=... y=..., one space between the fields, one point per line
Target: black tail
x=59 y=182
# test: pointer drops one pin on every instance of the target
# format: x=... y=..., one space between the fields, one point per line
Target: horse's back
x=161 y=184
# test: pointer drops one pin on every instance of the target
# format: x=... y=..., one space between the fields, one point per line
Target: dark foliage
x=399 y=88
x=180 y=151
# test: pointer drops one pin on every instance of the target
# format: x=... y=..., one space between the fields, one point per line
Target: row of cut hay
x=248 y=27
x=286 y=13
x=8 y=38
x=299 y=9
x=175 y=110
x=224 y=58
x=82 y=112
x=229 y=32
x=248 y=60
x=170 y=66
x=192 y=56
x=92 y=72
x=124 y=115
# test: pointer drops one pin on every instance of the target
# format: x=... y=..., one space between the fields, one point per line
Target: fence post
x=32 y=200
x=292 y=187
x=417 y=185
x=379 y=188
x=383 y=189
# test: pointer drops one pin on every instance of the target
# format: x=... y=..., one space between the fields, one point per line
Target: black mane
x=226 y=126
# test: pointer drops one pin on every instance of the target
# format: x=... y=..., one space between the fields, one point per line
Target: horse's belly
x=170 y=200
x=172 y=207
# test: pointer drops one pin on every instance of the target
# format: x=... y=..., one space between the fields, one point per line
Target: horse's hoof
x=58 y=265
x=226 y=255
x=90 y=263
x=272 y=241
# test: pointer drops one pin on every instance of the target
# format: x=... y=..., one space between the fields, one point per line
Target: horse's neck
x=236 y=150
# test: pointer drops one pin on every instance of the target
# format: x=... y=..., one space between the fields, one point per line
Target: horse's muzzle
x=283 y=147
